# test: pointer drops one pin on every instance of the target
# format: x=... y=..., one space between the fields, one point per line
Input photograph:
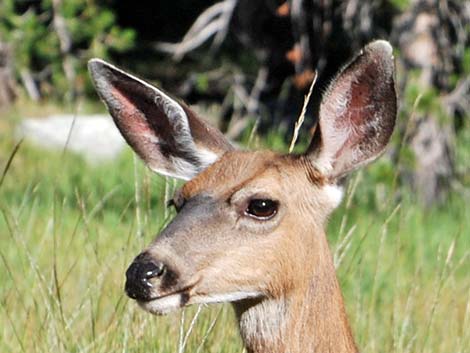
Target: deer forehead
x=229 y=173
x=264 y=173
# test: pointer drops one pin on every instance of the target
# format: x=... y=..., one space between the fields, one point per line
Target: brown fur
x=253 y=164
x=303 y=280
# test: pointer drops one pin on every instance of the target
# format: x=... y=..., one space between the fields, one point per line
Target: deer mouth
x=168 y=303
x=164 y=304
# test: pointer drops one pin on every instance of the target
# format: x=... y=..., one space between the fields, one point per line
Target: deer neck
x=307 y=319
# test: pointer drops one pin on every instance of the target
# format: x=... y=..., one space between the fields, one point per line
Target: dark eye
x=170 y=203
x=177 y=202
x=262 y=208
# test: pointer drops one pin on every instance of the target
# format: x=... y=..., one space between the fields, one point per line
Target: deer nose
x=138 y=275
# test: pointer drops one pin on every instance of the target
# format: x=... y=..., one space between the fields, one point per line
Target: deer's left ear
x=357 y=113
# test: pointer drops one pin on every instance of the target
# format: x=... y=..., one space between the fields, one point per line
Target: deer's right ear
x=167 y=135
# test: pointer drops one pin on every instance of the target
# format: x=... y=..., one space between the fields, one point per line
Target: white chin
x=167 y=304
x=224 y=297
x=164 y=305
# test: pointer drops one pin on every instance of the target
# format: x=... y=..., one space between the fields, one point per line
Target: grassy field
x=69 y=230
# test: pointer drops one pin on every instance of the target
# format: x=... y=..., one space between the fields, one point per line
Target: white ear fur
x=201 y=158
x=186 y=170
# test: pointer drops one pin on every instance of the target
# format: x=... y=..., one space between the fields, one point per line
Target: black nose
x=138 y=275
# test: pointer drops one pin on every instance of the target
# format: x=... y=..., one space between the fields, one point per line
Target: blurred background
x=76 y=206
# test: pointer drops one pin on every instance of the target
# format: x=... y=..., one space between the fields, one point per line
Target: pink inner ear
x=358 y=113
x=159 y=129
x=130 y=120
x=136 y=128
x=357 y=119
x=359 y=103
x=129 y=117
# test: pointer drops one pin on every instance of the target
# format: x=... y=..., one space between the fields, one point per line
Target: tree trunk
x=434 y=167
x=65 y=41
x=429 y=40
x=7 y=83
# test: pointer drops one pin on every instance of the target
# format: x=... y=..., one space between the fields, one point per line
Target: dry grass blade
x=301 y=118
x=439 y=286
x=137 y=199
x=209 y=330
x=69 y=134
x=343 y=247
x=190 y=329
x=181 y=331
x=9 y=161
x=410 y=125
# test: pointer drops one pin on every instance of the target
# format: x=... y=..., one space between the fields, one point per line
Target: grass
x=69 y=230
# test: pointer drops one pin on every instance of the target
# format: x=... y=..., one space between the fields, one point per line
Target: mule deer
x=250 y=225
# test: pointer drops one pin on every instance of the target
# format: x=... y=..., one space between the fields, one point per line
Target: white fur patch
x=223 y=297
x=206 y=157
x=264 y=323
x=182 y=169
x=174 y=302
x=163 y=305
x=334 y=195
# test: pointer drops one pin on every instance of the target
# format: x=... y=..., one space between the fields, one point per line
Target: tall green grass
x=69 y=230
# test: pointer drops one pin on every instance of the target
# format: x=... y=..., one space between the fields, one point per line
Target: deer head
x=250 y=224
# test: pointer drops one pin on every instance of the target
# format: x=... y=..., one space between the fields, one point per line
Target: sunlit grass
x=69 y=230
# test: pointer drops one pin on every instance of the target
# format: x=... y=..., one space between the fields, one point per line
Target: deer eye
x=263 y=209
x=177 y=202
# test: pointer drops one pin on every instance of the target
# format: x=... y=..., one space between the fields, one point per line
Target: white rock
x=95 y=137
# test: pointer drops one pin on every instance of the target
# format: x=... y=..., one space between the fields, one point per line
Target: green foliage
x=462 y=154
x=466 y=60
x=202 y=82
x=36 y=46
x=400 y=4
x=417 y=100
x=28 y=34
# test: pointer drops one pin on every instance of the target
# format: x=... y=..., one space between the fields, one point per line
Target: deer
x=250 y=225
